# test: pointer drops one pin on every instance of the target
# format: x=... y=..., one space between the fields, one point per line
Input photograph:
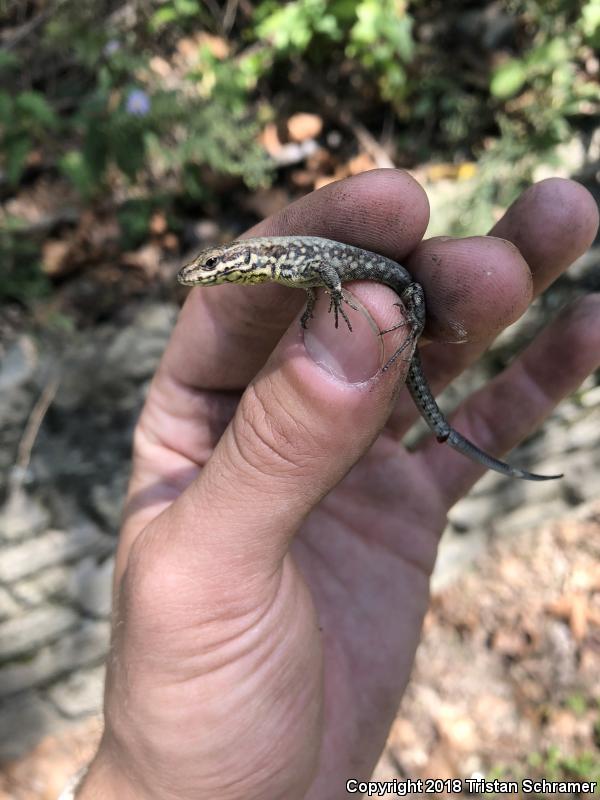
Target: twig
x=213 y=9
x=38 y=412
x=367 y=141
x=28 y=27
x=229 y=15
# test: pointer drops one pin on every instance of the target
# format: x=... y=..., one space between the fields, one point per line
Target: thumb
x=301 y=424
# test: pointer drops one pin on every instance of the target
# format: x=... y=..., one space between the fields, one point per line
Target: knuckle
x=269 y=437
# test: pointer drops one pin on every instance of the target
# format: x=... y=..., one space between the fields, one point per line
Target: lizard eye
x=247 y=257
x=210 y=263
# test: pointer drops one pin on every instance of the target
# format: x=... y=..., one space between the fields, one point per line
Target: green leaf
x=590 y=22
x=8 y=60
x=74 y=167
x=187 y=8
x=16 y=151
x=95 y=148
x=6 y=108
x=162 y=17
x=549 y=54
x=127 y=148
x=173 y=11
x=508 y=79
x=134 y=220
x=37 y=107
x=291 y=26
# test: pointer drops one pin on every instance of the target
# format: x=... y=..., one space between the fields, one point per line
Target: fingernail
x=352 y=356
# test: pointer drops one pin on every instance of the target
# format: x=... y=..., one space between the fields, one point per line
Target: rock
x=46 y=584
x=455 y=556
x=581 y=475
x=529 y=516
x=17 y=368
x=18 y=365
x=85 y=646
x=79 y=376
x=473 y=511
x=136 y=350
x=22 y=516
x=23 y=721
x=53 y=547
x=9 y=607
x=90 y=586
x=584 y=433
x=108 y=498
x=27 y=632
x=80 y=694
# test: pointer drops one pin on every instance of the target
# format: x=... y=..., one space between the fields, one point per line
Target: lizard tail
x=466 y=447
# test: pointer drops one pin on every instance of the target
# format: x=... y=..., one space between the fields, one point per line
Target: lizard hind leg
x=310 y=307
x=413 y=303
x=411 y=342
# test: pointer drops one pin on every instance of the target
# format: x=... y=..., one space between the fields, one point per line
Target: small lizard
x=307 y=262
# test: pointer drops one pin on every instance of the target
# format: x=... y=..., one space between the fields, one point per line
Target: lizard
x=308 y=262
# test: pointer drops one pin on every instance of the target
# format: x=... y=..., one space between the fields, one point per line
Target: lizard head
x=237 y=262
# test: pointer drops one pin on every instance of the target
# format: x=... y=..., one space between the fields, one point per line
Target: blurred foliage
x=555 y=766
x=149 y=97
x=88 y=97
x=20 y=276
x=135 y=217
x=551 y=765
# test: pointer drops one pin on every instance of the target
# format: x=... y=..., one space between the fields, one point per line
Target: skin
x=273 y=567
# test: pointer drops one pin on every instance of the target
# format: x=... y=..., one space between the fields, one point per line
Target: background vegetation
x=146 y=107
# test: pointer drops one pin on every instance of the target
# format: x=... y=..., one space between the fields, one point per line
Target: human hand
x=273 y=567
